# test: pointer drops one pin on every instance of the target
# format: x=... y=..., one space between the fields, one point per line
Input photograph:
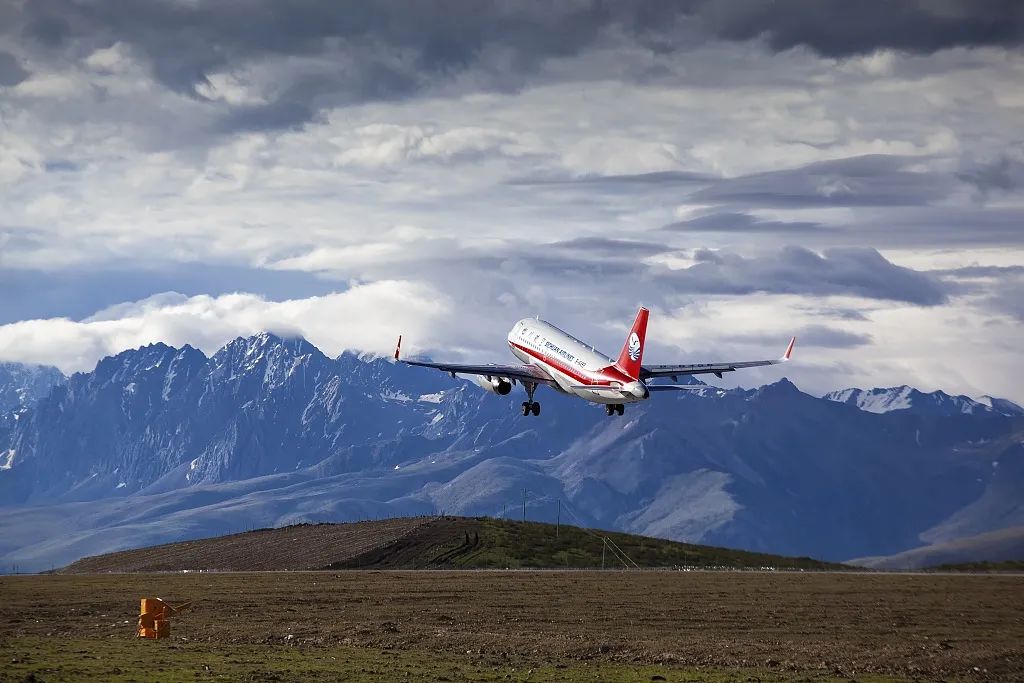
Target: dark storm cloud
x=185 y=41
x=389 y=49
x=795 y=270
x=864 y=181
x=739 y=222
x=1000 y=174
x=839 y=28
x=11 y=72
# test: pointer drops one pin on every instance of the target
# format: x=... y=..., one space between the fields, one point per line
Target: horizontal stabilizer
x=678 y=387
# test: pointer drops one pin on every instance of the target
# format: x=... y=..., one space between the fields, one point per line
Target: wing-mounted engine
x=495 y=385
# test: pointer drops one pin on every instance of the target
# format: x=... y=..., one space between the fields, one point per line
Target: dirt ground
x=838 y=626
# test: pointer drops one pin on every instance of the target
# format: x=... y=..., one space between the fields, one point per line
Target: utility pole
x=524 y=503
x=558 y=517
x=604 y=544
x=503 y=507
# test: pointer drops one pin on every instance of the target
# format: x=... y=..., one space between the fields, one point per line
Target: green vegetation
x=487 y=543
x=177 y=660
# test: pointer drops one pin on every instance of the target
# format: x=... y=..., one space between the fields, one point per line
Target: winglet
x=398 y=349
x=789 y=349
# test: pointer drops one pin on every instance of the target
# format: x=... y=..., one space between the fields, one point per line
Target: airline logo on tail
x=634 y=346
x=633 y=350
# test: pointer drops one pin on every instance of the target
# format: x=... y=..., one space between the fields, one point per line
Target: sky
x=189 y=171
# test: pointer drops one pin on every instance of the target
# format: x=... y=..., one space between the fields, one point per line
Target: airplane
x=557 y=359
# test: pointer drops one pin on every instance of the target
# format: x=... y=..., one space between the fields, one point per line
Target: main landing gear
x=529 y=405
x=613 y=408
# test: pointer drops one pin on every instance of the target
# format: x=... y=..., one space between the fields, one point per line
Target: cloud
x=828 y=337
x=810 y=336
x=848 y=271
x=11 y=71
x=365 y=317
x=873 y=180
x=382 y=146
x=999 y=289
x=835 y=28
x=730 y=221
x=1003 y=174
x=517 y=158
x=925 y=347
x=275 y=66
x=1007 y=297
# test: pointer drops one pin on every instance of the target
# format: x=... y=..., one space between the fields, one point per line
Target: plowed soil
x=768 y=625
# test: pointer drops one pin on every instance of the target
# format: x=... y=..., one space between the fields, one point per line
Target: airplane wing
x=523 y=373
x=649 y=371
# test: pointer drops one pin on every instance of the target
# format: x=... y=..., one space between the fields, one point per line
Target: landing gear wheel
x=609 y=409
x=529 y=405
x=620 y=409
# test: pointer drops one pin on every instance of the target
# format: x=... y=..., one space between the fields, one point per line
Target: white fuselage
x=576 y=368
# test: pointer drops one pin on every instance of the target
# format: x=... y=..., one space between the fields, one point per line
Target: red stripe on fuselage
x=610 y=374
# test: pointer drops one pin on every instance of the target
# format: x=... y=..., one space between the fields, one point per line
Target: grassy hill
x=429 y=543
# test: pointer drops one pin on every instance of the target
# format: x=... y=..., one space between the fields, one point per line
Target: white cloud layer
x=363 y=317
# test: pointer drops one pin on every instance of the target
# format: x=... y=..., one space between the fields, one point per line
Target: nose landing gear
x=613 y=408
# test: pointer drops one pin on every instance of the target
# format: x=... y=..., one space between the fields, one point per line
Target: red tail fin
x=632 y=353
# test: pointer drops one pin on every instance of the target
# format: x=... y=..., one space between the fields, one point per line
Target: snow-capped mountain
x=22 y=385
x=883 y=400
x=159 y=444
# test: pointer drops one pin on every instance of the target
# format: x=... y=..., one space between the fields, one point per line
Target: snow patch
x=885 y=400
x=7 y=460
x=395 y=396
x=431 y=398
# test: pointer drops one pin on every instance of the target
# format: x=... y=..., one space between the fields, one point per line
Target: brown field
x=519 y=625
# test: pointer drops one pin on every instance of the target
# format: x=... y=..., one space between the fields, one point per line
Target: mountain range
x=160 y=444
